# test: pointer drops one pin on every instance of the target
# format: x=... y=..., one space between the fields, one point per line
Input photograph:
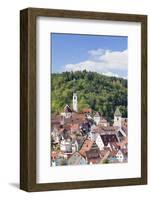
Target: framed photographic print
x=83 y=93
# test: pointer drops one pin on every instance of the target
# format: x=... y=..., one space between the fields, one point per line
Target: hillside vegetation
x=94 y=90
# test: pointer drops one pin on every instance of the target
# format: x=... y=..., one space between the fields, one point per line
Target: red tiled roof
x=86 y=146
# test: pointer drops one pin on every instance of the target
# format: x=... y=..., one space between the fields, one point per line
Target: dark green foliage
x=96 y=91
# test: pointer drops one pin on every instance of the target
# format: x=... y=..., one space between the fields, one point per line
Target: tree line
x=96 y=91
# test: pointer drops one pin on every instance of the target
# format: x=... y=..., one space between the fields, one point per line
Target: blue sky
x=104 y=54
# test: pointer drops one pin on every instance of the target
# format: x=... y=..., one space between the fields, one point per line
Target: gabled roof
x=86 y=146
x=97 y=114
x=93 y=155
x=125 y=129
x=67 y=108
x=117 y=112
x=109 y=138
x=76 y=159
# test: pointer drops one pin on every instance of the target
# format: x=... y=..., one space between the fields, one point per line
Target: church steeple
x=75 y=102
x=75 y=99
x=117 y=118
x=117 y=113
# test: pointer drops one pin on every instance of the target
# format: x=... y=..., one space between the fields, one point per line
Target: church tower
x=75 y=98
x=117 y=118
x=75 y=102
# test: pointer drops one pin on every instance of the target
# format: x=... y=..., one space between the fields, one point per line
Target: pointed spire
x=117 y=112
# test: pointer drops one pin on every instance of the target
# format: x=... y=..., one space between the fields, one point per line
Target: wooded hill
x=94 y=90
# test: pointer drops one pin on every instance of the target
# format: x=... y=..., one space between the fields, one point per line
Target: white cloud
x=110 y=74
x=89 y=65
x=96 y=52
x=103 y=61
x=115 y=59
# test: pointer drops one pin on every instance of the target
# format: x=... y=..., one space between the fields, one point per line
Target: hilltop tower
x=117 y=118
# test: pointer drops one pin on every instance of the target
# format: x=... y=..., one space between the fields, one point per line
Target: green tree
x=96 y=91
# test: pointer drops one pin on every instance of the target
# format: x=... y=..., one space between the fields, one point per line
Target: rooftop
x=67 y=108
x=97 y=114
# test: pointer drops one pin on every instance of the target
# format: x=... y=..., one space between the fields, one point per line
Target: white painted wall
x=9 y=100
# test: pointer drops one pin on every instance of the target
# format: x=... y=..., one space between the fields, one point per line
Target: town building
x=97 y=117
x=77 y=159
x=85 y=137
